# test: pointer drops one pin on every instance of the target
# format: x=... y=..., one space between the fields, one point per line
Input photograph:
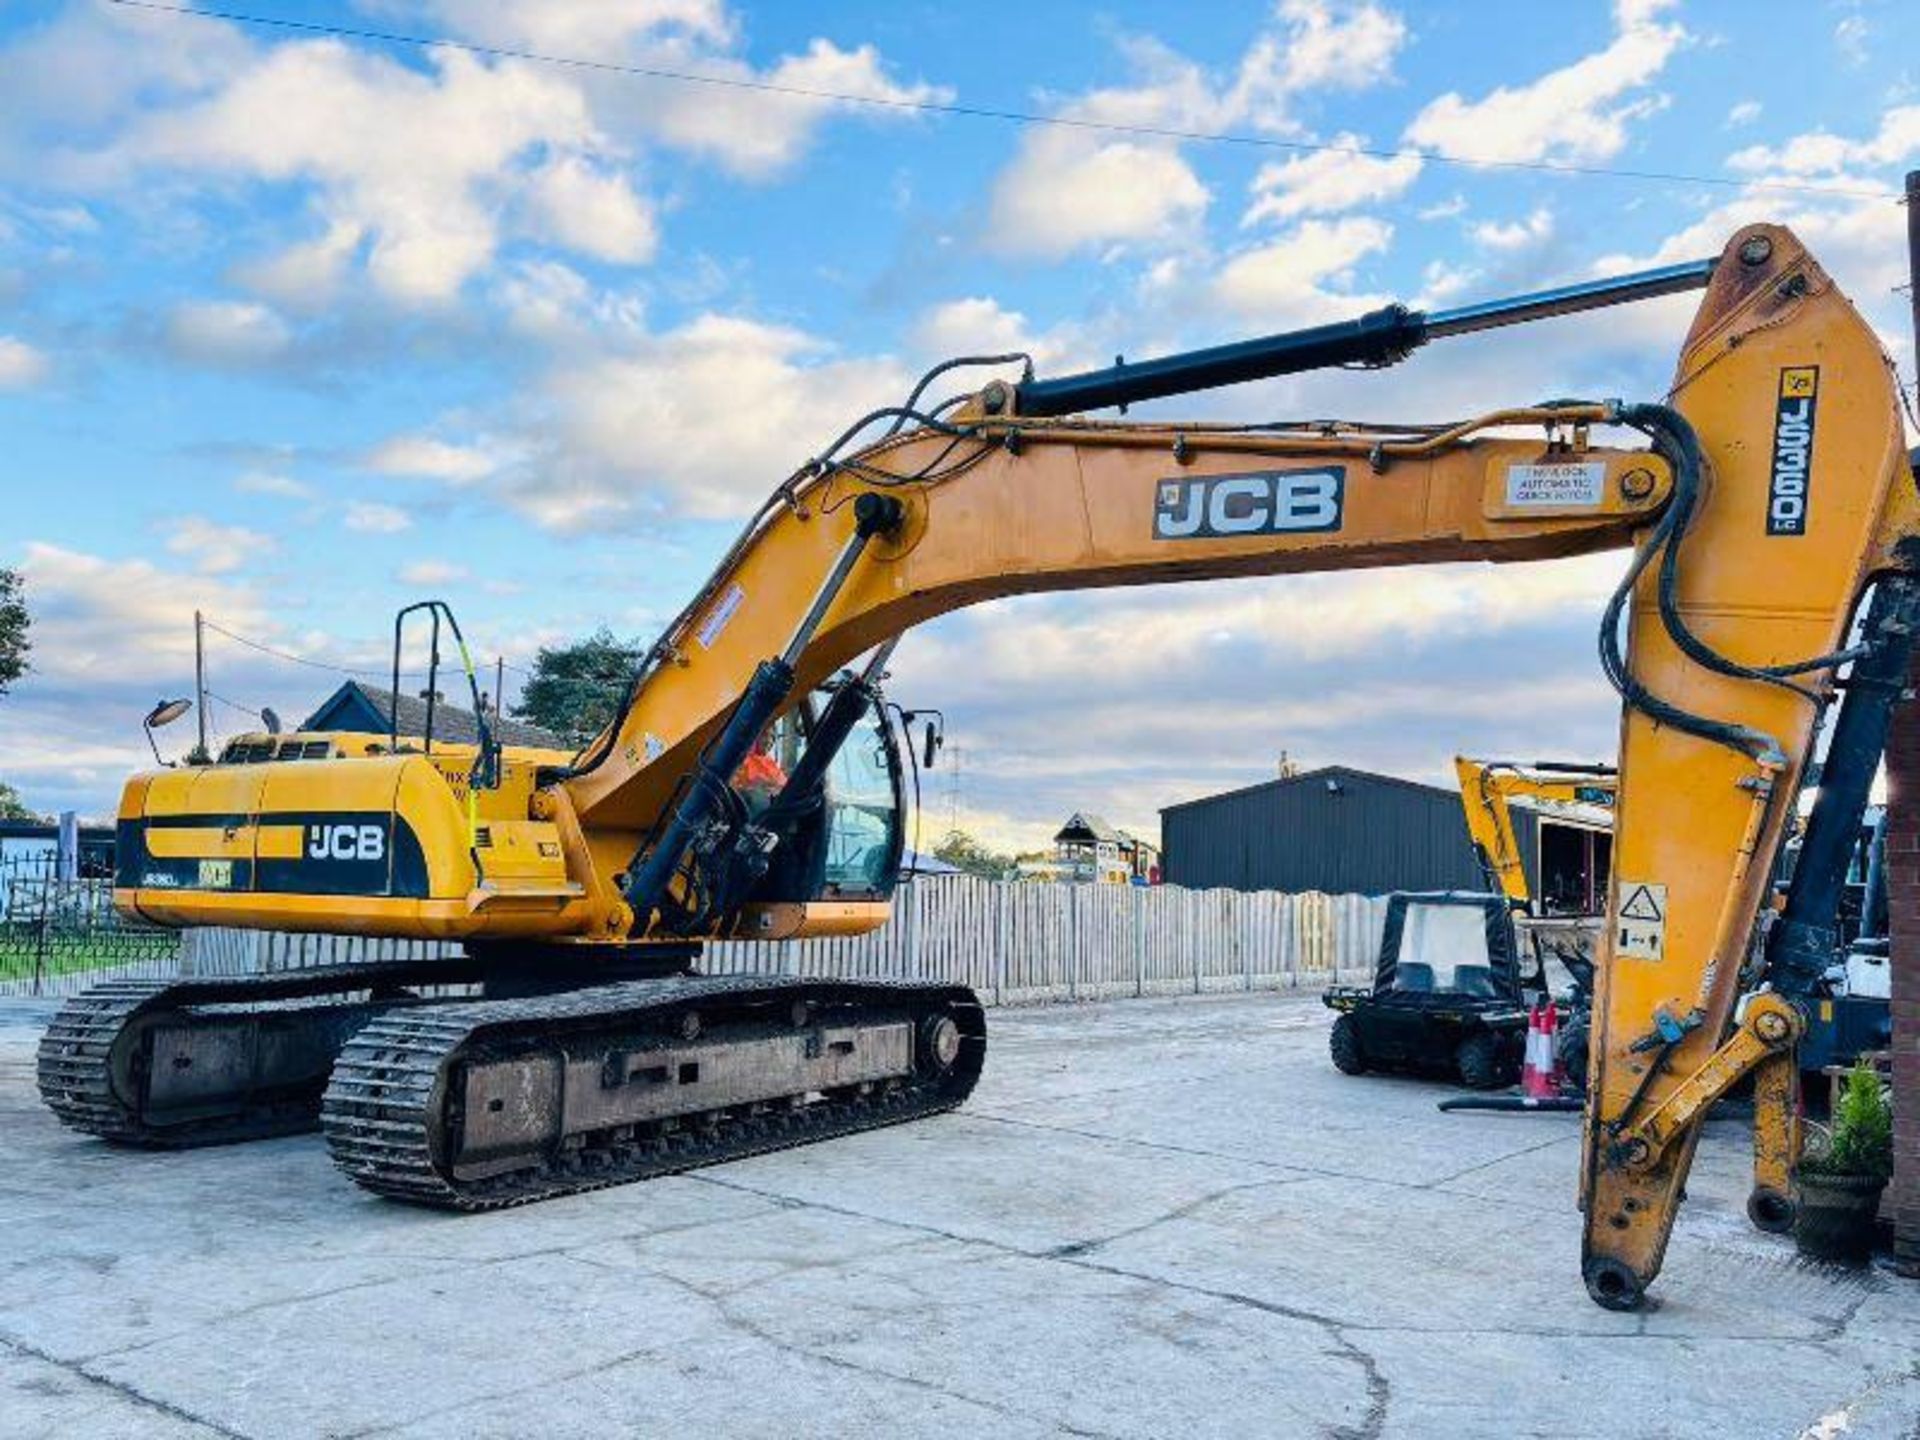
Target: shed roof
x=1317 y=777
x=358 y=706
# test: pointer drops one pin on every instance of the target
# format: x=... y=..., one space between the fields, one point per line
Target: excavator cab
x=836 y=819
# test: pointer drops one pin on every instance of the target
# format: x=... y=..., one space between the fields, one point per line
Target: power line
x=984 y=112
x=329 y=666
x=301 y=659
x=235 y=705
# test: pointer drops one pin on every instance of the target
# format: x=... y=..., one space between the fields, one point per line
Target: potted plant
x=1840 y=1177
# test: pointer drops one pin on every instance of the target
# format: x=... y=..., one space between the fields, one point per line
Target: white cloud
x=1328 y=181
x=414 y=162
x=705 y=419
x=981 y=325
x=1449 y=209
x=1070 y=189
x=757 y=134
x=1577 y=113
x=1066 y=193
x=430 y=572
x=110 y=638
x=591 y=211
x=424 y=457
x=1332 y=46
x=1744 y=113
x=1850 y=38
x=584 y=29
x=306 y=276
x=557 y=304
x=1516 y=234
x=226 y=332
x=370 y=517
x=215 y=549
x=1285 y=283
x=21 y=364
x=1821 y=153
x=753 y=133
x=259 y=482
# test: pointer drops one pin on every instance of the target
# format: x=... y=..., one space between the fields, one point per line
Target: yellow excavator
x=1763 y=499
x=1581 y=794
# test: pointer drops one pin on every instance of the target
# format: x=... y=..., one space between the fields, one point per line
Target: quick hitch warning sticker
x=1788 y=490
x=1642 y=932
x=1548 y=487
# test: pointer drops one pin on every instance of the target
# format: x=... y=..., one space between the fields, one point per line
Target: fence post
x=911 y=950
x=1073 y=942
x=1193 y=939
x=998 y=959
x=1139 y=943
x=1242 y=907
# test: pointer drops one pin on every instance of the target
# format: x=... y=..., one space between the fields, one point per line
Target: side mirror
x=165 y=713
x=933 y=743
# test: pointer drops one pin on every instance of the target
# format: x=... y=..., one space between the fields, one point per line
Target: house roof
x=1083 y=827
x=357 y=706
x=1319 y=777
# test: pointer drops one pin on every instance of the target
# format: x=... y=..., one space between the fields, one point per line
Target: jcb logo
x=346 y=842
x=1261 y=502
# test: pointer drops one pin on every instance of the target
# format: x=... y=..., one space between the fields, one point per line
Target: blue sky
x=296 y=328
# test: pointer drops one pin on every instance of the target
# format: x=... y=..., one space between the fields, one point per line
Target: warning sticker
x=1643 y=920
x=716 y=622
x=1572 y=482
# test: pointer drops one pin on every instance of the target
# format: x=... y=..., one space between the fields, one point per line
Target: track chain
x=388 y=1100
x=76 y=1054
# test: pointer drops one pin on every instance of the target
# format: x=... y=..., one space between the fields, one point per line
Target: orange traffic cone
x=1550 y=1048
x=1536 y=1074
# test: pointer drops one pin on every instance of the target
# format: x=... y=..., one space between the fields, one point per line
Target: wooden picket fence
x=1014 y=943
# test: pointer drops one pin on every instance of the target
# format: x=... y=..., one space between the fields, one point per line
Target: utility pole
x=200 y=753
x=499 y=685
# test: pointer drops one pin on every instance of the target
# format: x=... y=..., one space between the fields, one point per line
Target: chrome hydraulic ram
x=705 y=796
x=1381 y=337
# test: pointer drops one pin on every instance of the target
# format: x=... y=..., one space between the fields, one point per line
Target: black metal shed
x=1334 y=829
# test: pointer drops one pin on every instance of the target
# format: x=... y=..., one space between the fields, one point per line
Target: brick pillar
x=1903 y=914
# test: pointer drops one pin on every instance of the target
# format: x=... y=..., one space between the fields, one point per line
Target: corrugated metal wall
x=1371 y=835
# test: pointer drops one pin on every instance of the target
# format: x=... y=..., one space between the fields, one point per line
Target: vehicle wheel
x=1571 y=1051
x=1344 y=1045
x=1479 y=1060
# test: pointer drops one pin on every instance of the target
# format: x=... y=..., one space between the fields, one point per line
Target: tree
x=14 y=644
x=963 y=852
x=576 y=688
x=12 y=807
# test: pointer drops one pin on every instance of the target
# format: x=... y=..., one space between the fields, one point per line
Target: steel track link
x=76 y=1060
x=388 y=1105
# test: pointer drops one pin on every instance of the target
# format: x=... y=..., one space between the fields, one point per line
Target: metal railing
x=59 y=935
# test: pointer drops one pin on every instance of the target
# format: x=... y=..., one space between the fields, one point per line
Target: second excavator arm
x=1488 y=789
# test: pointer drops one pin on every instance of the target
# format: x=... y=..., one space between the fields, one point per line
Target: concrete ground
x=1156 y=1218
